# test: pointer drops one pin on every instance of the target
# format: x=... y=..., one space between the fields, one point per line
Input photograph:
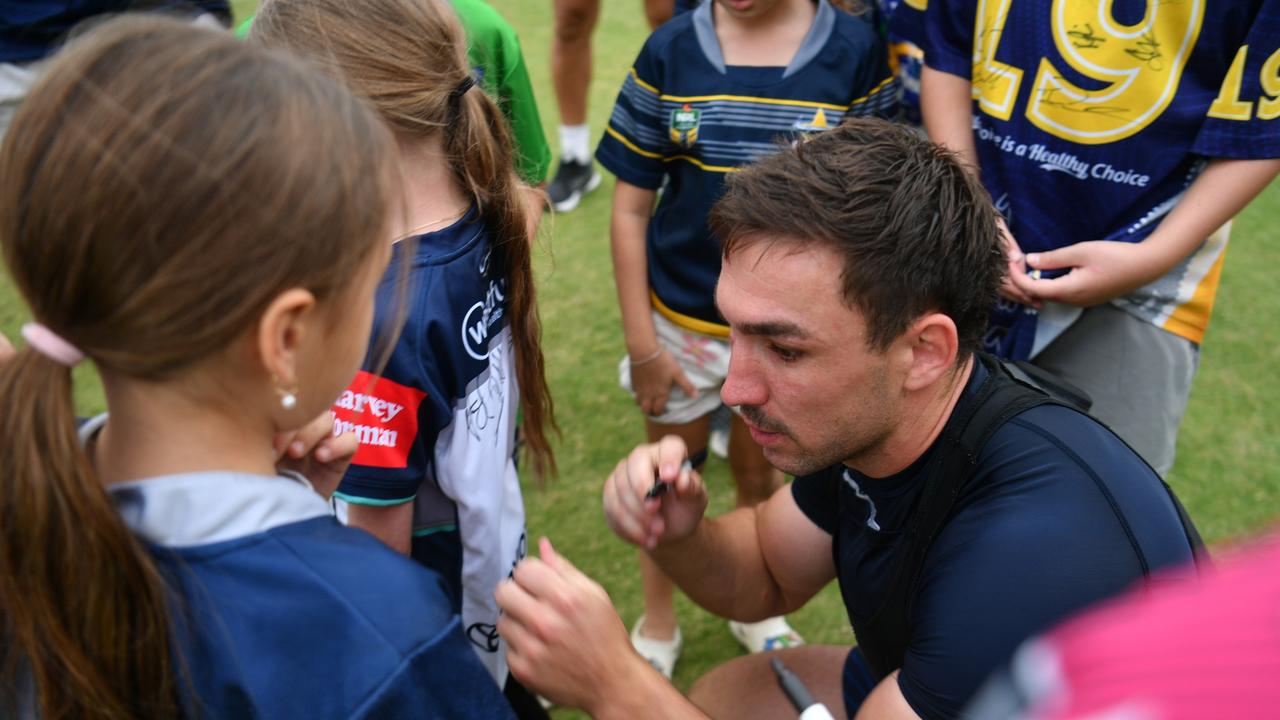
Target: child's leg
x=756 y=480
x=754 y=477
x=575 y=20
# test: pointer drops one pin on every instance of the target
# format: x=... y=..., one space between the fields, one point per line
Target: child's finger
x=335 y=448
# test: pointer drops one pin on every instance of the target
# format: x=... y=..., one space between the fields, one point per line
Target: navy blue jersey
x=902 y=24
x=684 y=116
x=1046 y=525
x=437 y=424
x=30 y=29
x=1093 y=118
x=280 y=611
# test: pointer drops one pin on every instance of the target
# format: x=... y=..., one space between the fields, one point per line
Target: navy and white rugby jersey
x=684 y=115
x=1091 y=119
x=437 y=424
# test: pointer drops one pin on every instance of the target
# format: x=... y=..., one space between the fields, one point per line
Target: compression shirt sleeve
x=817 y=496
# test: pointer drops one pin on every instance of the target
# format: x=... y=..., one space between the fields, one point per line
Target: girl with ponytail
x=435 y=475
x=206 y=223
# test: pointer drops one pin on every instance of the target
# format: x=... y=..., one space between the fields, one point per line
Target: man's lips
x=761 y=436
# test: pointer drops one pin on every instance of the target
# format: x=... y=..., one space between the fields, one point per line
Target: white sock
x=575 y=143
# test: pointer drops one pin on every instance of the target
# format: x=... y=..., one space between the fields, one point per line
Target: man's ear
x=934 y=345
x=281 y=331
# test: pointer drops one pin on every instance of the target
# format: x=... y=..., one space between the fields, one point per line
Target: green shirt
x=494 y=50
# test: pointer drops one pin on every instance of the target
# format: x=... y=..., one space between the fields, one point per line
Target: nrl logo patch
x=684 y=125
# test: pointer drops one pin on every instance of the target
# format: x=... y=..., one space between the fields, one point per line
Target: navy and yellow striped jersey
x=685 y=116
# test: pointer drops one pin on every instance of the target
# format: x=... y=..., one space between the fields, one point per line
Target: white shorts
x=704 y=360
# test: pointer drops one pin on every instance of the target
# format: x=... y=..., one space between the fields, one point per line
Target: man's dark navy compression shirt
x=1058 y=514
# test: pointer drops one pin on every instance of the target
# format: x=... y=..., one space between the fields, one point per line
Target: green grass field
x=1228 y=470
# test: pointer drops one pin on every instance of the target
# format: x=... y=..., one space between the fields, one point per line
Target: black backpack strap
x=999 y=398
x=1010 y=389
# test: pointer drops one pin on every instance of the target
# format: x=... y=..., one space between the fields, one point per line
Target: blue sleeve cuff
x=629 y=164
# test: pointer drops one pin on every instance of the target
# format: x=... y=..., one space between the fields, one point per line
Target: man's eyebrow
x=772 y=329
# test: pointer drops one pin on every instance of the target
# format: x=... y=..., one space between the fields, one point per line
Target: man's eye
x=785 y=354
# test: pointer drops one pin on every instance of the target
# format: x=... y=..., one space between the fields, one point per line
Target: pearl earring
x=288 y=398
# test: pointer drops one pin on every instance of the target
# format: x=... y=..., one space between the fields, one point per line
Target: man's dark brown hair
x=917 y=232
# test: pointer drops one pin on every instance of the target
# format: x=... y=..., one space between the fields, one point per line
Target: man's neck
x=922 y=421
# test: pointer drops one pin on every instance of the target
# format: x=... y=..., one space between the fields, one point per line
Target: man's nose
x=744 y=384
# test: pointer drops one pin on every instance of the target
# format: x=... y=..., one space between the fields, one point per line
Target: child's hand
x=6 y=348
x=652 y=383
x=316 y=453
x=1012 y=288
x=1100 y=271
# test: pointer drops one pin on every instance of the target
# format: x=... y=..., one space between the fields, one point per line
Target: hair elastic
x=47 y=343
x=461 y=89
x=455 y=105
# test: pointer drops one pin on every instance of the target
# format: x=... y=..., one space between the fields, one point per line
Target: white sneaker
x=769 y=634
x=661 y=654
x=718 y=441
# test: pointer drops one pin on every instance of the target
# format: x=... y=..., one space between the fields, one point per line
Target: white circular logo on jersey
x=475 y=332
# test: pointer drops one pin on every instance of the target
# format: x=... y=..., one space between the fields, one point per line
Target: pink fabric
x=1210 y=650
x=47 y=343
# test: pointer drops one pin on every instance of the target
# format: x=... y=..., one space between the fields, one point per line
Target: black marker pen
x=798 y=694
x=660 y=488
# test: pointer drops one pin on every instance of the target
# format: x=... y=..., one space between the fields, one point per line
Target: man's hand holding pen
x=635 y=506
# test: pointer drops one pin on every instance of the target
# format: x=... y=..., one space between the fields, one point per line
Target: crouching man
x=957 y=517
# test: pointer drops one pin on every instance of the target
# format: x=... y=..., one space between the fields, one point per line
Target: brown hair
x=917 y=233
x=407 y=57
x=162 y=184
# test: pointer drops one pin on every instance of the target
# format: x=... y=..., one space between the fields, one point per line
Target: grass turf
x=1228 y=457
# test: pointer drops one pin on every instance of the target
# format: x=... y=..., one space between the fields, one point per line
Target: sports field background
x=1228 y=469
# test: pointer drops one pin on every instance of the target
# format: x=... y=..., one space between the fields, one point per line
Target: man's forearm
x=721 y=567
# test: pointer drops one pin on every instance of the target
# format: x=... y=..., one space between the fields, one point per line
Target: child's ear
x=281 y=331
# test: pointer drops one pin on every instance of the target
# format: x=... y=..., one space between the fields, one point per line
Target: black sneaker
x=572 y=180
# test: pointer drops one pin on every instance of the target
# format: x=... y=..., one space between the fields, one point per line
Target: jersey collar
x=819 y=32
x=208 y=507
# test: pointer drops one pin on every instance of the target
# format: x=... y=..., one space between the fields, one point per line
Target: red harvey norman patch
x=384 y=417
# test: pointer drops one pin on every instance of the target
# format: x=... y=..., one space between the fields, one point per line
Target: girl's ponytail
x=83 y=606
x=482 y=156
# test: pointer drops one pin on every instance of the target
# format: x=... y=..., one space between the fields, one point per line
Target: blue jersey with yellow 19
x=1092 y=118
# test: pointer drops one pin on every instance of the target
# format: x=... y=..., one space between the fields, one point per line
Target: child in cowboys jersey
x=435 y=475
x=710 y=91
